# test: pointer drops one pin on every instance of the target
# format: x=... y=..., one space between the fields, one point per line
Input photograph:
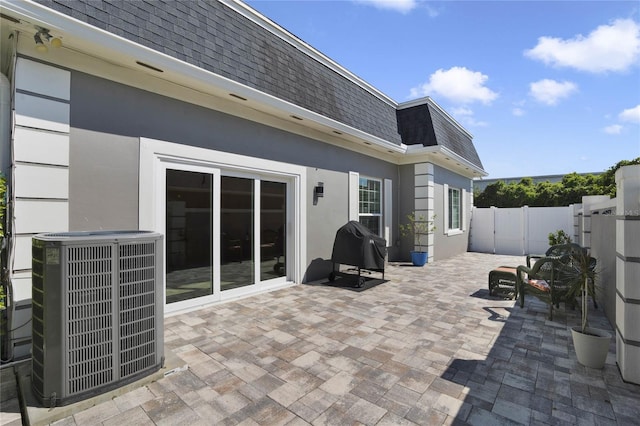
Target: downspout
x=6 y=160
x=5 y=167
x=5 y=125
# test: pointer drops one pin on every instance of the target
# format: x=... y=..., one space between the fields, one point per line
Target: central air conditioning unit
x=98 y=312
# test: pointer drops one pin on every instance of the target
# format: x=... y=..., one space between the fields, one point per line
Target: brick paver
x=430 y=346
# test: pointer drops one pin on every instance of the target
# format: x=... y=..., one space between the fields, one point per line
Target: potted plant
x=591 y=344
x=418 y=227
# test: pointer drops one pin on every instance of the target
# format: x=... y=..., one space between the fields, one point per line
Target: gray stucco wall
x=107 y=107
x=324 y=216
x=103 y=181
x=448 y=245
x=108 y=118
x=445 y=246
x=406 y=205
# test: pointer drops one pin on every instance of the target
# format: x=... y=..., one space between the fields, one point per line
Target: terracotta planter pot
x=591 y=347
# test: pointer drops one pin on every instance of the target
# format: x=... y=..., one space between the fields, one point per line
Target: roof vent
x=9 y=18
x=151 y=67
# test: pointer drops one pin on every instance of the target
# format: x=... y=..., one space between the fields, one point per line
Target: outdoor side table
x=503 y=280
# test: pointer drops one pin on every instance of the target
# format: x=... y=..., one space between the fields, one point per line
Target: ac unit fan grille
x=37 y=315
x=137 y=307
x=90 y=313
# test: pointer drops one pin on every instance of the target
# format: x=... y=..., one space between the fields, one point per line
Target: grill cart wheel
x=332 y=276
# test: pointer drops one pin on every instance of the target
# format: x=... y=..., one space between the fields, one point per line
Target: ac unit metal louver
x=98 y=312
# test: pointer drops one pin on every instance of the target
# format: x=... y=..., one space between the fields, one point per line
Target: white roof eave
x=444 y=157
x=116 y=49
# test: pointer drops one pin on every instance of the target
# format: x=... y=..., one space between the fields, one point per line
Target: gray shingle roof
x=216 y=38
x=426 y=125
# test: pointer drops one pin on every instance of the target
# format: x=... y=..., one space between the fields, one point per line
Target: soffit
x=106 y=55
x=100 y=53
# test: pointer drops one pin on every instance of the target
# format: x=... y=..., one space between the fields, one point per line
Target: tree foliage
x=569 y=190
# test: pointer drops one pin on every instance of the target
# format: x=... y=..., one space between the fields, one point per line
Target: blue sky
x=545 y=87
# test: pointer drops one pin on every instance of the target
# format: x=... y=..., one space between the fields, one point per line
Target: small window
x=455 y=209
x=370 y=204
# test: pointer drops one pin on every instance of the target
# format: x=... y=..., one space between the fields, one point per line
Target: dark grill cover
x=355 y=245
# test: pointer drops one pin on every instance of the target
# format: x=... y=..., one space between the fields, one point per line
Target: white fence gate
x=517 y=231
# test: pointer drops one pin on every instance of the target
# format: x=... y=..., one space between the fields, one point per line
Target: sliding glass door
x=189 y=235
x=273 y=230
x=237 y=232
x=226 y=234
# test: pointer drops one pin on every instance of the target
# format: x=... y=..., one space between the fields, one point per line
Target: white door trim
x=156 y=156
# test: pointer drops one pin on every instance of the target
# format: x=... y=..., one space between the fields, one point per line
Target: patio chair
x=543 y=280
x=556 y=251
x=564 y=252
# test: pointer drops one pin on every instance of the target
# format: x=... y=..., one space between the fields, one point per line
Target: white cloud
x=518 y=112
x=550 y=91
x=457 y=84
x=614 y=47
x=465 y=116
x=614 y=129
x=461 y=111
x=472 y=122
x=432 y=12
x=402 y=6
x=631 y=114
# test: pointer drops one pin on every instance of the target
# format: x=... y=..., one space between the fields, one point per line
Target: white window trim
x=463 y=205
x=386 y=225
x=382 y=210
x=354 y=196
x=387 y=210
x=156 y=156
x=445 y=221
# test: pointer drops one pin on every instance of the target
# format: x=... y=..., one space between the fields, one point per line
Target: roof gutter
x=129 y=52
x=443 y=156
x=121 y=47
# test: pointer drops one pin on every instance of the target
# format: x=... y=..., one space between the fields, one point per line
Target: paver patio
x=428 y=347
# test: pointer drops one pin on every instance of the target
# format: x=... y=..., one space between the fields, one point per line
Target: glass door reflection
x=237 y=237
x=273 y=226
x=189 y=235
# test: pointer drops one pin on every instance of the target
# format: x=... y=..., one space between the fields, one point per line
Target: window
x=455 y=209
x=370 y=204
x=455 y=206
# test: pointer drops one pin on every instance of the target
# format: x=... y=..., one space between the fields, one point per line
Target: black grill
x=356 y=246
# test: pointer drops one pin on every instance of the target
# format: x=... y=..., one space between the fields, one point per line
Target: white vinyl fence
x=517 y=231
x=607 y=227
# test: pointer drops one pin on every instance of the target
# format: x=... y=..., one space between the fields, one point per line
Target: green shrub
x=559 y=237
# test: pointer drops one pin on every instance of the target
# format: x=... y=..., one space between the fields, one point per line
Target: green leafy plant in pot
x=591 y=344
x=419 y=227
